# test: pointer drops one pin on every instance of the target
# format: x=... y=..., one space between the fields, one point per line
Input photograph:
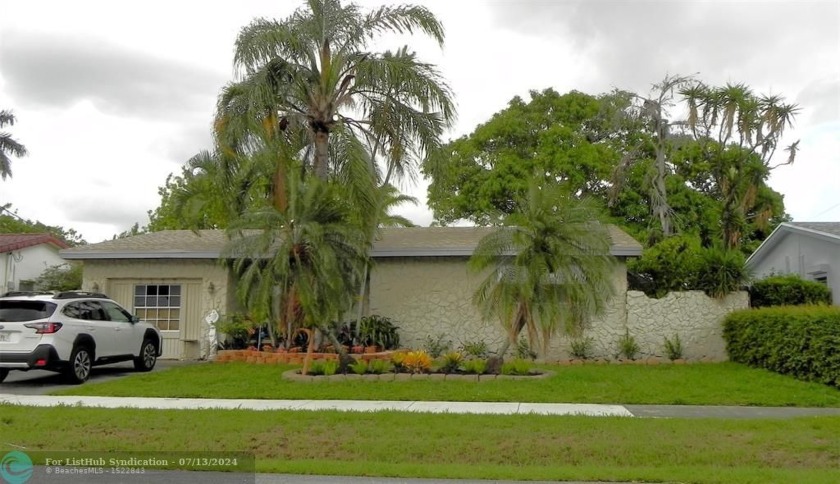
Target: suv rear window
x=16 y=311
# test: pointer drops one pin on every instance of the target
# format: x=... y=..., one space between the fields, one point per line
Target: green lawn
x=699 y=384
x=453 y=446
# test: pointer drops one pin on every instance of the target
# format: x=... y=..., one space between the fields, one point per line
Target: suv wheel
x=4 y=372
x=81 y=361
x=148 y=356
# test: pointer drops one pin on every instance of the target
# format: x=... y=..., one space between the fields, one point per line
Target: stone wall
x=692 y=315
x=433 y=296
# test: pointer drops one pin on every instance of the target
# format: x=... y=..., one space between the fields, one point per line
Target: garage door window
x=159 y=304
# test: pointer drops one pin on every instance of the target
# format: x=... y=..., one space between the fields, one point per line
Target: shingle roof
x=395 y=242
x=830 y=228
x=11 y=242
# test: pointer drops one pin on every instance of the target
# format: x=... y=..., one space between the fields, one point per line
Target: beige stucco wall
x=433 y=296
x=204 y=280
x=694 y=316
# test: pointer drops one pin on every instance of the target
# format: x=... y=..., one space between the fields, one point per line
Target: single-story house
x=24 y=257
x=809 y=249
x=420 y=280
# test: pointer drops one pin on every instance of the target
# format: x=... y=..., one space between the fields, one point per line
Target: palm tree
x=301 y=266
x=550 y=268
x=310 y=74
x=739 y=132
x=8 y=145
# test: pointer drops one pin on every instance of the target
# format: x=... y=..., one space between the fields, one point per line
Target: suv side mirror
x=134 y=319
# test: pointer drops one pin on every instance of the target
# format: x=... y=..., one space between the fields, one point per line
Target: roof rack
x=79 y=294
x=27 y=293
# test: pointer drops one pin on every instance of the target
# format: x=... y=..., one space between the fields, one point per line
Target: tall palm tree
x=300 y=266
x=311 y=74
x=550 y=268
x=8 y=145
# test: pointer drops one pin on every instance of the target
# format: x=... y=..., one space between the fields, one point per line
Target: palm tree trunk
x=322 y=155
x=280 y=195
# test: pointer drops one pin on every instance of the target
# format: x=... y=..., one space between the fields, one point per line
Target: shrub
x=721 y=272
x=801 y=341
x=477 y=349
x=516 y=367
x=670 y=265
x=524 y=351
x=323 y=367
x=398 y=360
x=238 y=329
x=436 y=346
x=378 y=367
x=417 y=362
x=375 y=330
x=475 y=367
x=451 y=362
x=673 y=348
x=582 y=348
x=359 y=367
x=788 y=290
x=627 y=346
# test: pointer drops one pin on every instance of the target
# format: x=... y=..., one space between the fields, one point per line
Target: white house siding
x=801 y=254
x=27 y=264
x=205 y=286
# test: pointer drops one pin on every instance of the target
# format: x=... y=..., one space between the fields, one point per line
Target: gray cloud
x=822 y=99
x=633 y=44
x=54 y=71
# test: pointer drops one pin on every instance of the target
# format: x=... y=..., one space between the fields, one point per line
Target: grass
x=453 y=446
x=700 y=384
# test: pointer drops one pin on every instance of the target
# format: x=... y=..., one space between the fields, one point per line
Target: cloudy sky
x=113 y=96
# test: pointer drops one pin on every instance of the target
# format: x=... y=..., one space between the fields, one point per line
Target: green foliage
x=627 y=346
x=359 y=367
x=378 y=367
x=476 y=349
x=323 y=367
x=436 y=346
x=679 y=263
x=549 y=269
x=568 y=137
x=582 y=348
x=801 y=341
x=63 y=277
x=788 y=290
x=673 y=347
x=474 y=366
x=721 y=271
x=8 y=145
x=238 y=328
x=524 y=351
x=10 y=223
x=451 y=362
x=379 y=331
x=518 y=366
x=670 y=265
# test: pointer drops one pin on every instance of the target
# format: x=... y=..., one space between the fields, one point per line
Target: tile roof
x=395 y=242
x=12 y=242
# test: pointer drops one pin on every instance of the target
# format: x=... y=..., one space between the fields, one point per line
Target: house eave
x=778 y=234
x=139 y=255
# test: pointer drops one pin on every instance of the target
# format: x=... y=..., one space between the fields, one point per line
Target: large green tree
x=8 y=145
x=572 y=138
x=11 y=223
x=548 y=269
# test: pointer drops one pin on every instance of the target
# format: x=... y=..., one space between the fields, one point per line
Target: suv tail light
x=44 y=328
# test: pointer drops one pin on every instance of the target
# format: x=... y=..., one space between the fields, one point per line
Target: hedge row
x=788 y=290
x=802 y=341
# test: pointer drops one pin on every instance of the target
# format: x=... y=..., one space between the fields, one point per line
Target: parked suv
x=70 y=332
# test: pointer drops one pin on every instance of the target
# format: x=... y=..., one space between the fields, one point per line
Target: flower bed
x=268 y=357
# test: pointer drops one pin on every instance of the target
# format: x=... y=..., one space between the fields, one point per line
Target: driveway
x=40 y=382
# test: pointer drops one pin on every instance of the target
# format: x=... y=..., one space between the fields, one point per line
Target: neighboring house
x=420 y=280
x=810 y=249
x=24 y=257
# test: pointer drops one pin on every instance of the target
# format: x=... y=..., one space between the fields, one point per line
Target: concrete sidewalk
x=508 y=408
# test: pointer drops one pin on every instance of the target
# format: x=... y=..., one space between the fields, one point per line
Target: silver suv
x=70 y=332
